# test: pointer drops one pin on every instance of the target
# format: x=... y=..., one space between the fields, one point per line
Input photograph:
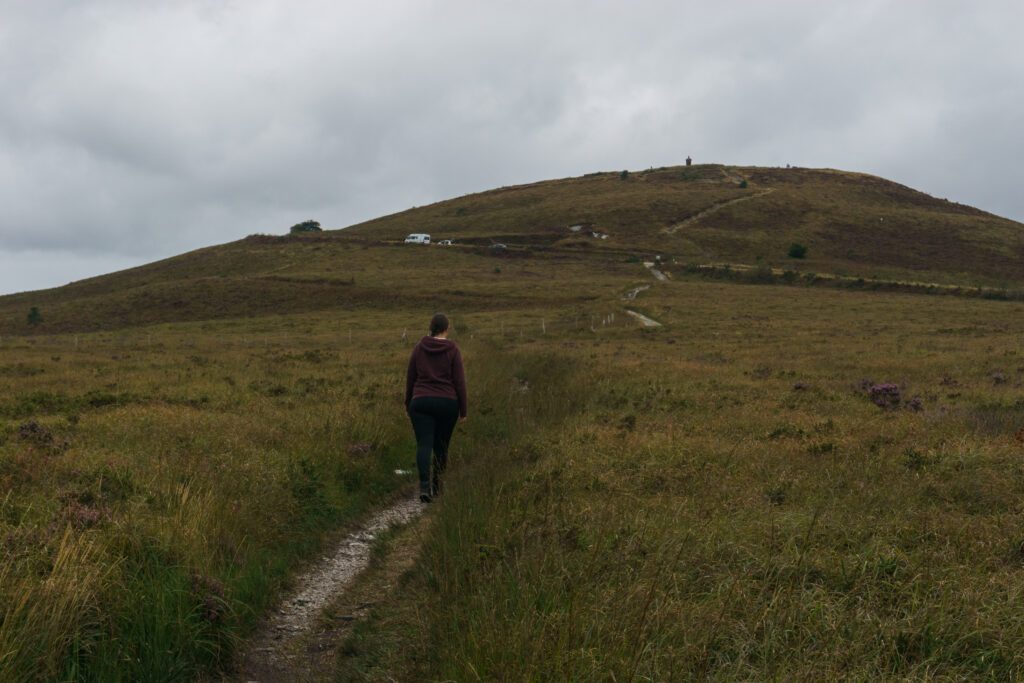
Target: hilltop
x=576 y=231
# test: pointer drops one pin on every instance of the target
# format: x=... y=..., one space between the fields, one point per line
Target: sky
x=133 y=131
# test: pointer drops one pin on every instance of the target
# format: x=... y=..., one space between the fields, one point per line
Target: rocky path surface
x=632 y=294
x=713 y=208
x=644 y=320
x=658 y=275
x=277 y=652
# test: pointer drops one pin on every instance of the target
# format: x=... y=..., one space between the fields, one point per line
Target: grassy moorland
x=718 y=497
x=157 y=487
x=722 y=498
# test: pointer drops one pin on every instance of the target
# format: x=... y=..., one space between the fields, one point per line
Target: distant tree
x=34 y=316
x=797 y=250
x=743 y=184
x=624 y=175
x=305 y=226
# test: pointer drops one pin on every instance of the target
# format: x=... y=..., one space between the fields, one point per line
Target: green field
x=719 y=497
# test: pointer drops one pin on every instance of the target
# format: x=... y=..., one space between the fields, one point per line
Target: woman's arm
x=410 y=379
x=459 y=379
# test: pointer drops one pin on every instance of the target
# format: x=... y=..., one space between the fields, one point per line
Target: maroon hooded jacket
x=435 y=369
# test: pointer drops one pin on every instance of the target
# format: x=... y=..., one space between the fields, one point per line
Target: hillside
x=853 y=224
x=663 y=475
x=850 y=221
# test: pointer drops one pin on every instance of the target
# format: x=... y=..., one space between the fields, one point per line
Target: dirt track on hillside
x=713 y=208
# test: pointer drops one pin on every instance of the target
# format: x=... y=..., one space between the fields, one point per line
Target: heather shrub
x=886 y=395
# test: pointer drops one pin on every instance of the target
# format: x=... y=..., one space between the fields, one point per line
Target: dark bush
x=305 y=226
x=797 y=250
x=624 y=175
x=743 y=184
x=34 y=316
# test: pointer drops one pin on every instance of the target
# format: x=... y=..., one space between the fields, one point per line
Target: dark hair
x=438 y=324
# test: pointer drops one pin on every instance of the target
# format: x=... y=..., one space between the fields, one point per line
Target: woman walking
x=435 y=398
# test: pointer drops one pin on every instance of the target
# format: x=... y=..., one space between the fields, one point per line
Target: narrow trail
x=632 y=294
x=732 y=176
x=277 y=652
x=658 y=275
x=713 y=208
x=644 y=320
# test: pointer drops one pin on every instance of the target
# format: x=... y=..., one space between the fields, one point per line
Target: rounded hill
x=563 y=242
x=852 y=223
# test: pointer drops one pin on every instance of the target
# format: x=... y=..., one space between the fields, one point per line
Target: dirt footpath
x=300 y=640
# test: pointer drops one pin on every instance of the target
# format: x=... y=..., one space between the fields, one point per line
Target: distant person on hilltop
x=435 y=398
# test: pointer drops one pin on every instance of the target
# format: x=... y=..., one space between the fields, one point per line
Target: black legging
x=433 y=420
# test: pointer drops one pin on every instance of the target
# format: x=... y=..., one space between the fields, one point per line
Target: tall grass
x=45 y=617
x=144 y=536
x=721 y=500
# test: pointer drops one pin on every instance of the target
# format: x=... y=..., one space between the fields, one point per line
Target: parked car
x=418 y=238
x=444 y=243
x=498 y=246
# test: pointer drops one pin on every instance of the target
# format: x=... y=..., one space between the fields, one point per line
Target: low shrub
x=885 y=395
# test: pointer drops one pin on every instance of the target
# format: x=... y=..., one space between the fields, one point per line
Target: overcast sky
x=132 y=131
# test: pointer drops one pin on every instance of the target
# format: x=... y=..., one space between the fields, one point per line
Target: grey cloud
x=134 y=131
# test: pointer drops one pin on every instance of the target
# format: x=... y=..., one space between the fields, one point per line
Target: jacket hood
x=435 y=345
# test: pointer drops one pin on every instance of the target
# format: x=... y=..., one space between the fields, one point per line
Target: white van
x=418 y=238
